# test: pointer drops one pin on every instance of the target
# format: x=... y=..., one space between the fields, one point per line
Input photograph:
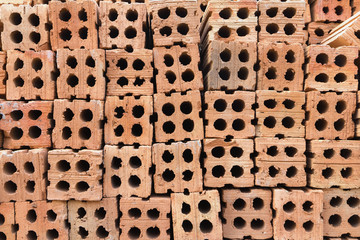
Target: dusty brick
x=280 y=113
x=229 y=114
x=81 y=73
x=177 y=167
x=2 y=74
x=7 y=216
x=247 y=213
x=127 y=171
x=94 y=220
x=31 y=75
x=145 y=219
x=74 y=24
x=280 y=66
x=128 y=120
x=25 y=27
x=78 y=124
x=26 y=124
x=15 y=2
x=330 y=10
x=318 y=31
x=228 y=162
x=330 y=115
x=298 y=214
x=195 y=216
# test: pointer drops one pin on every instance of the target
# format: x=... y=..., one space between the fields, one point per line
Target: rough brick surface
x=74 y=24
x=318 y=31
x=330 y=115
x=280 y=66
x=280 y=113
x=330 y=10
x=74 y=175
x=15 y=2
x=128 y=120
x=280 y=162
x=357 y=115
x=178 y=68
x=297 y=214
x=228 y=163
x=7 y=216
x=26 y=124
x=30 y=75
x=78 y=124
x=129 y=72
x=177 y=167
x=145 y=219
x=178 y=120
x=229 y=114
x=81 y=73
x=2 y=74
x=195 y=216
x=94 y=220
x=247 y=213
x=25 y=27
x=127 y=171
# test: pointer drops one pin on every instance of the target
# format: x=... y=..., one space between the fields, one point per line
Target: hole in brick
x=322 y=106
x=81 y=212
x=116 y=163
x=322 y=77
x=236 y=152
x=168 y=109
x=153 y=232
x=131 y=32
x=187 y=175
x=68 y=114
x=29 y=167
x=345 y=153
x=153 y=213
x=288 y=122
x=273 y=171
x=321 y=124
x=72 y=80
x=138 y=65
x=134 y=181
x=168 y=60
x=10 y=187
x=239 y=222
x=135 y=162
x=171 y=77
x=289 y=207
x=339 y=124
x=136 y=130
x=71 y=62
x=113 y=14
x=289 y=104
x=220 y=105
x=237 y=171
x=206 y=226
x=134 y=233
x=354 y=220
x=272 y=28
x=187 y=226
x=186 y=107
x=168 y=127
x=167 y=156
x=31 y=216
x=243 y=56
x=181 y=12
x=164 y=13
x=272 y=12
x=2 y=220
x=183 y=28
x=270 y=103
x=290 y=151
x=272 y=151
x=225 y=13
x=270 y=122
x=335 y=220
x=15 y=18
x=184 y=59
x=65 y=34
x=308 y=226
x=220 y=124
x=122 y=81
x=100 y=213
x=16 y=133
x=258 y=203
x=168 y=175
x=243 y=73
x=185 y=209
x=340 y=77
x=257 y=224
x=238 y=124
x=340 y=106
x=113 y=32
x=37 y=83
x=243 y=13
x=52 y=234
x=82 y=166
x=66 y=133
x=35 y=37
x=188 y=75
x=85 y=133
x=271 y=73
x=90 y=81
x=9 y=168
x=165 y=31
x=30 y=186
x=134 y=213
x=272 y=55
x=51 y=215
x=335 y=201
x=224 y=74
x=224 y=32
x=242 y=31
x=322 y=58
x=238 y=105
x=218 y=152
x=16 y=37
x=204 y=206
x=291 y=172
x=319 y=32
x=289 y=12
x=83 y=15
x=340 y=60
x=83 y=33
x=16 y=115
x=86 y=115
x=290 y=74
x=218 y=171
x=346 y=172
x=122 y=63
x=64 y=15
x=188 y=156
x=353 y=202
x=62 y=186
x=289 y=225
x=83 y=232
x=289 y=29
x=239 y=204
x=115 y=181
x=101 y=232
x=325 y=10
x=225 y=55
x=63 y=166
x=339 y=10
x=31 y=235
x=18 y=64
x=327 y=172
x=138 y=111
x=290 y=56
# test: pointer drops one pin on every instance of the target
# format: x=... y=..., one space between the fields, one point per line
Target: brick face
x=330 y=10
x=2 y=74
x=7 y=216
x=318 y=31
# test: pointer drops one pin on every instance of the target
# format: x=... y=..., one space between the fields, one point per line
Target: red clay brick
x=357 y=115
x=2 y=74
x=7 y=216
x=318 y=31
x=330 y=10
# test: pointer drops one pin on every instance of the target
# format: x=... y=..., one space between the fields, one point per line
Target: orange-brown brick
x=178 y=120
x=74 y=24
x=329 y=115
x=178 y=68
x=228 y=162
x=177 y=167
x=2 y=74
x=81 y=73
x=280 y=162
x=30 y=75
x=330 y=10
x=280 y=113
x=196 y=216
x=129 y=72
x=247 y=213
x=122 y=25
x=280 y=66
x=94 y=220
x=318 y=31
x=7 y=216
x=128 y=120
x=74 y=175
x=26 y=124
x=25 y=27
x=298 y=214
x=145 y=219
x=229 y=114
x=127 y=171
x=78 y=124
x=41 y=220
x=357 y=115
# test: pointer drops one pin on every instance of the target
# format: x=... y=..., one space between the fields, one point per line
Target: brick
x=74 y=175
x=228 y=163
x=283 y=21
x=357 y=115
x=25 y=27
x=318 y=31
x=330 y=115
x=195 y=216
x=129 y=72
x=145 y=219
x=2 y=74
x=174 y=21
x=7 y=216
x=355 y=6
x=331 y=69
x=341 y=212
x=94 y=220
x=128 y=120
x=26 y=124
x=78 y=124
x=122 y=25
x=178 y=120
x=31 y=75
x=15 y=2
x=229 y=114
x=330 y=10
x=81 y=73
x=178 y=68
x=41 y=220
x=298 y=214
x=230 y=65
x=280 y=162
x=247 y=213
x=177 y=167
x=280 y=113
x=127 y=171
x=74 y=24
x=280 y=66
